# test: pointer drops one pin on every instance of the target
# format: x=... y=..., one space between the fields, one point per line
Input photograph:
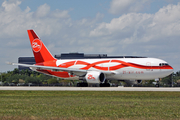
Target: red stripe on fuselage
x=116 y=67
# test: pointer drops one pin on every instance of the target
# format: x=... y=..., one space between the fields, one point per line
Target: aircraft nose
x=171 y=69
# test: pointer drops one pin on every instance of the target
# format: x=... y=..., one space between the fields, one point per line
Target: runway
x=91 y=88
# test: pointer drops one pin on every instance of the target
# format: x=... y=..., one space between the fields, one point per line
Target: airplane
x=95 y=71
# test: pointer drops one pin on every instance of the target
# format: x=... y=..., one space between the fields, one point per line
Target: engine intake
x=95 y=77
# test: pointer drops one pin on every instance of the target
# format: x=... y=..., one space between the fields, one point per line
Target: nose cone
x=170 y=69
x=166 y=70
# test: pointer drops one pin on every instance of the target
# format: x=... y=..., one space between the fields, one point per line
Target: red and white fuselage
x=125 y=68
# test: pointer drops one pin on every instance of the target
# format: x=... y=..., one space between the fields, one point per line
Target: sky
x=148 y=28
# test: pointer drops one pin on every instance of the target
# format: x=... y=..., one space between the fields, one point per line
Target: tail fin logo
x=36 y=45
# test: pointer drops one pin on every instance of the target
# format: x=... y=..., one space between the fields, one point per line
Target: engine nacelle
x=95 y=77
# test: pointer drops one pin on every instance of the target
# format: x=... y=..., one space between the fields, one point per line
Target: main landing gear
x=83 y=84
x=104 y=85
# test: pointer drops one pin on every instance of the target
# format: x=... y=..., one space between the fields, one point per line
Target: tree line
x=29 y=77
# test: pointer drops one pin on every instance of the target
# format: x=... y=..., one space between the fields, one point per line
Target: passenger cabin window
x=163 y=64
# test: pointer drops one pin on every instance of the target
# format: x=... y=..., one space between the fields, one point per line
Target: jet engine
x=95 y=77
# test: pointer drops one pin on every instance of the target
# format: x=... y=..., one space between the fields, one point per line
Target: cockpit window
x=163 y=64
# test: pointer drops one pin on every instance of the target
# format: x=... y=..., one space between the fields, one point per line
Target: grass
x=88 y=105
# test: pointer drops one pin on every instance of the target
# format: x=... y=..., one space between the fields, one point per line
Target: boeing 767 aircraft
x=129 y=70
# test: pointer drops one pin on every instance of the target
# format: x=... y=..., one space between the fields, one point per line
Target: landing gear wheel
x=82 y=85
x=157 y=84
x=104 y=85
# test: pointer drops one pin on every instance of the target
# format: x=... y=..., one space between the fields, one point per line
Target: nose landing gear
x=157 y=82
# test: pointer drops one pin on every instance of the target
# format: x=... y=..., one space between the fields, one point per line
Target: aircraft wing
x=69 y=70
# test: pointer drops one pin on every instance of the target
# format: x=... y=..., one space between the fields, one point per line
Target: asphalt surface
x=92 y=88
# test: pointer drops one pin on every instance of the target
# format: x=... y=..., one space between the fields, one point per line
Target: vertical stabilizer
x=41 y=53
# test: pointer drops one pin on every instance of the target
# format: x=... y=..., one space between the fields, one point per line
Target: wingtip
x=9 y=63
